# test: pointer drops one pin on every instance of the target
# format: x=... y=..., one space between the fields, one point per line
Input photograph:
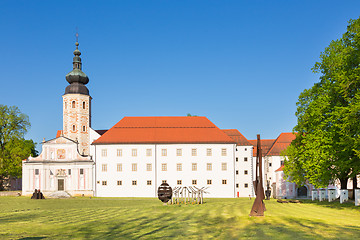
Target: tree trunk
x=355 y=183
x=354 y=186
x=343 y=182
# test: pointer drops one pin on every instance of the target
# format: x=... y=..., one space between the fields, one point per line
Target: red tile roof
x=237 y=137
x=274 y=147
x=164 y=130
x=58 y=133
x=280 y=168
x=265 y=146
x=281 y=143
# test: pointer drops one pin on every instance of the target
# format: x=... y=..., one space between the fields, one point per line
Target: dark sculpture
x=37 y=194
x=164 y=192
x=258 y=207
x=268 y=191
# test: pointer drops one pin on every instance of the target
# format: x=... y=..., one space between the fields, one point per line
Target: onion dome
x=76 y=77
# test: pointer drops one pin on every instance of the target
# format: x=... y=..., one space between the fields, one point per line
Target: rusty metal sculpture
x=164 y=192
x=258 y=207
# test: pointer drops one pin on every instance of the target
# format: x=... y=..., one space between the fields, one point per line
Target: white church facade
x=137 y=154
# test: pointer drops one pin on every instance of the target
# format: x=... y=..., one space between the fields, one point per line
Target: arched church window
x=65 y=105
x=73 y=104
x=74 y=128
x=84 y=128
x=84 y=104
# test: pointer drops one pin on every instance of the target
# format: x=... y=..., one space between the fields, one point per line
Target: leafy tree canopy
x=327 y=144
x=13 y=147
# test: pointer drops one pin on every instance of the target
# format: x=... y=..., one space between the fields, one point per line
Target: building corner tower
x=77 y=106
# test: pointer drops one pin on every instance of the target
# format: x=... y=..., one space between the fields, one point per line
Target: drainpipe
x=155 y=169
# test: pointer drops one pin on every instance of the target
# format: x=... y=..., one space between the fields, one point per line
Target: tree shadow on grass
x=31 y=238
x=335 y=204
x=297 y=228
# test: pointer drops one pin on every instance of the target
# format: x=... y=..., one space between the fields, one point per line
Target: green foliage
x=328 y=131
x=13 y=147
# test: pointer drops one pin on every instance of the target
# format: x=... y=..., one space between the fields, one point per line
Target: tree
x=327 y=144
x=13 y=147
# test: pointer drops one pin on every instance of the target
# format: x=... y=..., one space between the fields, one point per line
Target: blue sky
x=242 y=64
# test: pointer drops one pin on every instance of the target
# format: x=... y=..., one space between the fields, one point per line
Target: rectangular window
x=134 y=182
x=194 y=167
x=163 y=152
x=246 y=185
x=163 y=167
x=223 y=152
x=119 y=152
x=81 y=171
x=179 y=152
x=148 y=167
x=270 y=164
x=237 y=172
x=69 y=171
x=245 y=159
x=104 y=183
x=104 y=152
x=148 y=182
x=119 y=167
x=237 y=159
x=163 y=181
x=119 y=182
x=36 y=171
x=179 y=167
x=104 y=167
x=134 y=167
x=194 y=182
x=134 y=152
x=148 y=152
x=194 y=152
x=208 y=152
x=209 y=182
x=245 y=149
x=209 y=166
x=224 y=181
x=51 y=173
x=282 y=163
x=179 y=182
x=237 y=185
x=246 y=172
x=224 y=166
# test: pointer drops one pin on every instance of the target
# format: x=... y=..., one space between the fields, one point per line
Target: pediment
x=60 y=140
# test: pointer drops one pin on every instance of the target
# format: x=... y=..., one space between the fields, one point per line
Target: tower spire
x=77 y=78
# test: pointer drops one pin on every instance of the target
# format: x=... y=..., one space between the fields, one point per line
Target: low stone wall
x=10 y=193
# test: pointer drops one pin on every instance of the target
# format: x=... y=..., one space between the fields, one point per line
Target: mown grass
x=126 y=218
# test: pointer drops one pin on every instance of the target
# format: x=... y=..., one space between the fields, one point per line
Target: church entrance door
x=60 y=184
x=302 y=191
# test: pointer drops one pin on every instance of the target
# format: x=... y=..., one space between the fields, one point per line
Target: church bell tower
x=77 y=106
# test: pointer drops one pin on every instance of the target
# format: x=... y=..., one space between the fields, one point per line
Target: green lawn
x=126 y=218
